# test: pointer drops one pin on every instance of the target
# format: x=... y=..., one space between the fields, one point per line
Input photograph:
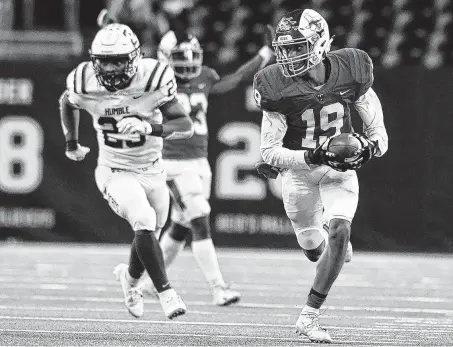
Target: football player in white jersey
x=121 y=91
x=189 y=174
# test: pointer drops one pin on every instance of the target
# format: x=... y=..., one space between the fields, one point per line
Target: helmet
x=301 y=41
x=184 y=55
x=115 y=53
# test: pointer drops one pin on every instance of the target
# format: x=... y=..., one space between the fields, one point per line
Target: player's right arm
x=69 y=116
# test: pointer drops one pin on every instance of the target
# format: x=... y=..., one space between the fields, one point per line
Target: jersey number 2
x=319 y=123
x=197 y=105
x=112 y=137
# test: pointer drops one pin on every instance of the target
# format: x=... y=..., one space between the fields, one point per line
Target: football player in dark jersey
x=306 y=98
x=189 y=174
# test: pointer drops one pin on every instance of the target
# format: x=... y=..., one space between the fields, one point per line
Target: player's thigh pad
x=187 y=193
x=302 y=200
x=339 y=195
x=204 y=170
x=126 y=197
x=158 y=195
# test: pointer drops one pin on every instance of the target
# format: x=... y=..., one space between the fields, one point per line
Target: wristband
x=71 y=145
x=157 y=130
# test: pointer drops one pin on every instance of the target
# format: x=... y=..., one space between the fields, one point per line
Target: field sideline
x=66 y=295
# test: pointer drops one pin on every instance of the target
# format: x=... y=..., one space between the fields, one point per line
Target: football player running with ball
x=306 y=99
x=189 y=174
x=121 y=91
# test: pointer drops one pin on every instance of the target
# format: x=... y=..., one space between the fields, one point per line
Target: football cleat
x=133 y=296
x=223 y=296
x=172 y=303
x=308 y=325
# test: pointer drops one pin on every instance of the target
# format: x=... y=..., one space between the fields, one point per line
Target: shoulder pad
x=264 y=87
x=157 y=74
x=360 y=67
x=359 y=62
x=76 y=82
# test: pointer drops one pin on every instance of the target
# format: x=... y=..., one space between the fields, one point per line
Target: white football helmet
x=115 y=53
x=184 y=56
x=301 y=41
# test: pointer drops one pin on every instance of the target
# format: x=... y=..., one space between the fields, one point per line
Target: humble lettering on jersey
x=117 y=111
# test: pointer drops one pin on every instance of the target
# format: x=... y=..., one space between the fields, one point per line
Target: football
x=344 y=145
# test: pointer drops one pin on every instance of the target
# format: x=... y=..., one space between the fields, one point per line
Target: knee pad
x=309 y=239
x=143 y=219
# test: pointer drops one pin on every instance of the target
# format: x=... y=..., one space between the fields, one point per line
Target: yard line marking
x=267 y=293
x=231 y=324
x=33 y=277
x=409 y=321
x=448 y=312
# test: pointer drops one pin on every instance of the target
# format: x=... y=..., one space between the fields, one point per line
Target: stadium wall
x=405 y=197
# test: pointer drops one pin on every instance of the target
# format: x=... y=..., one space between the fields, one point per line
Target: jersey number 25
x=113 y=139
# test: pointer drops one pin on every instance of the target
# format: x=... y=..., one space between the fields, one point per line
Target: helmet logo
x=311 y=23
x=284 y=38
x=285 y=24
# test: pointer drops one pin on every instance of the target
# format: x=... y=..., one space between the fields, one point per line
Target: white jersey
x=153 y=85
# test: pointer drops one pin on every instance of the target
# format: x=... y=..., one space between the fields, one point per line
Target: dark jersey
x=314 y=114
x=193 y=95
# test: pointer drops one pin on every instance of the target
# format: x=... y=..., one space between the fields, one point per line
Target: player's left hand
x=129 y=125
x=363 y=155
x=267 y=170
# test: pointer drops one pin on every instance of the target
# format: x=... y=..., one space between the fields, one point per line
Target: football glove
x=77 y=154
x=267 y=170
x=130 y=125
x=321 y=156
x=363 y=155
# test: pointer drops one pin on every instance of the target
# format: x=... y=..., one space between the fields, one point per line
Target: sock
x=206 y=257
x=150 y=255
x=315 y=299
x=136 y=267
x=310 y=309
x=170 y=248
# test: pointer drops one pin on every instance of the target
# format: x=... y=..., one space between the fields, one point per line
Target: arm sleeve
x=273 y=129
x=370 y=110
